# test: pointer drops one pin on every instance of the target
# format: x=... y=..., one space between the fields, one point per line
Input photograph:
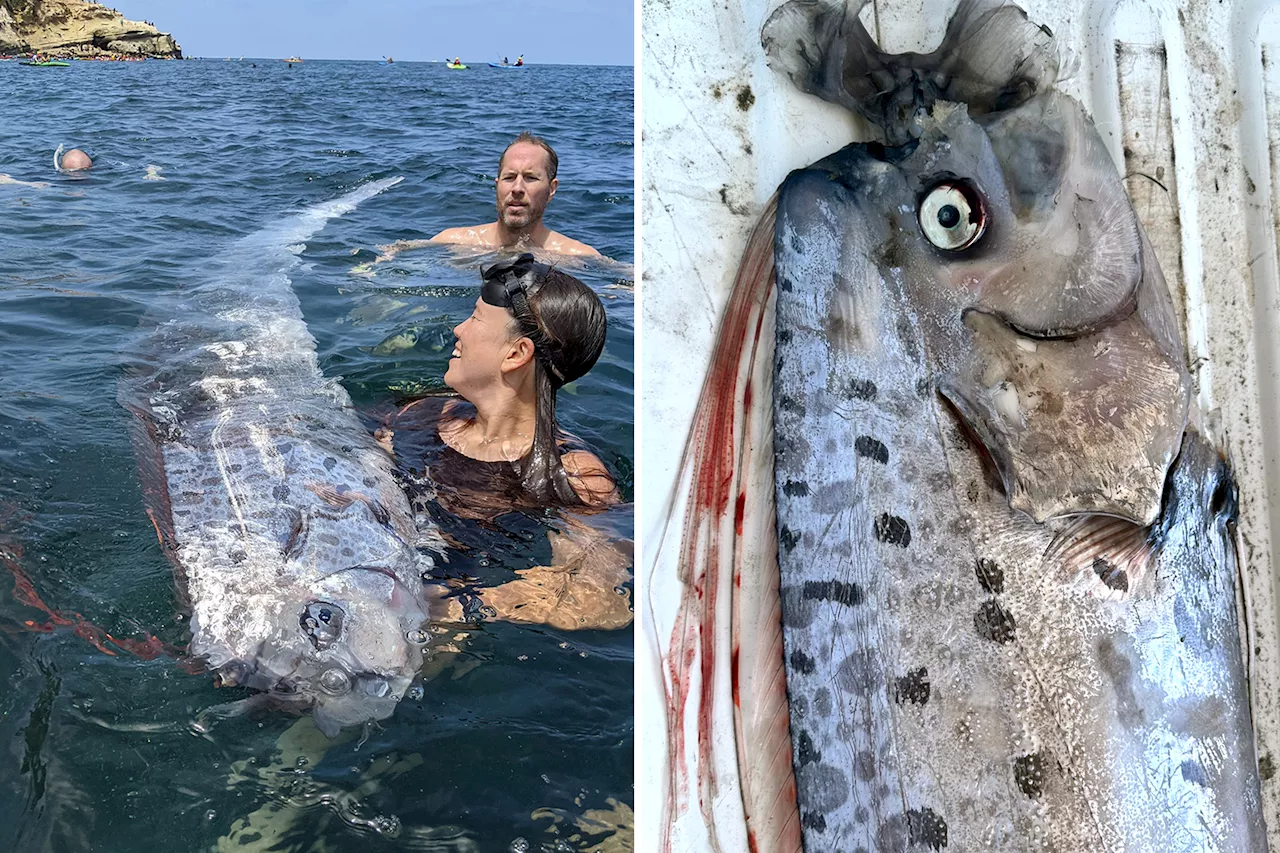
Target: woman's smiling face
x=484 y=340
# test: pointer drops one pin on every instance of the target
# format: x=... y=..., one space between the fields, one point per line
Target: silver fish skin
x=1008 y=575
x=297 y=553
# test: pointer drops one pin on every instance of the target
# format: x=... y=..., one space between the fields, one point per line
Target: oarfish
x=947 y=487
x=297 y=554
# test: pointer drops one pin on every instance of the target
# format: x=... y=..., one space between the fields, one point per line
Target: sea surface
x=521 y=739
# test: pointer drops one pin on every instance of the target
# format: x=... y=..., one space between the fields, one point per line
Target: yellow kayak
x=455 y=67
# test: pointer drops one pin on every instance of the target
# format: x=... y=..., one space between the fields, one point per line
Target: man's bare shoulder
x=469 y=235
x=562 y=245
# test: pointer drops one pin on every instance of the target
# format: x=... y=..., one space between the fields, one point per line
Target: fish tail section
x=710 y=737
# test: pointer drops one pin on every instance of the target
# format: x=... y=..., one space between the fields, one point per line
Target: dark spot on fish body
x=923 y=387
x=1194 y=773
x=802 y=663
x=859 y=672
x=788 y=538
x=785 y=285
x=870 y=448
x=1113 y=576
x=841 y=592
x=805 y=751
x=1119 y=670
x=813 y=821
x=994 y=623
x=822 y=702
x=1028 y=773
x=990 y=576
x=790 y=404
x=913 y=687
x=864 y=765
x=821 y=788
x=798 y=246
x=746 y=98
x=793 y=489
x=330 y=463
x=860 y=816
x=784 y=336
x=863 y=389
x=926 y=827
x=280 y=492
x=892 y=530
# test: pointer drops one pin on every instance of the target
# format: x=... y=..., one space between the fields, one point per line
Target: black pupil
x=948 y=216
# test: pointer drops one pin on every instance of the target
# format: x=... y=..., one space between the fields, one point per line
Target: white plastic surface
x=1186 y=95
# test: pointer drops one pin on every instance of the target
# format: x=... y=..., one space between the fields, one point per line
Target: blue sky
x=581 y=32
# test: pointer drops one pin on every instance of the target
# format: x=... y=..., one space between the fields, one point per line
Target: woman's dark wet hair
x=566 y=322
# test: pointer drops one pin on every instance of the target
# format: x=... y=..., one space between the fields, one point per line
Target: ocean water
x=520 y=739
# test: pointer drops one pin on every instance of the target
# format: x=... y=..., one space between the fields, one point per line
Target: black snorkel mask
x=507 y=283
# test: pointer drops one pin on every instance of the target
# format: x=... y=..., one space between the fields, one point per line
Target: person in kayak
x=520 y=59
x=526 y=182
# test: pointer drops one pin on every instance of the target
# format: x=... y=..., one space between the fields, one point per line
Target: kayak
x=454 y=67
x=48 y=63
x=500 y=65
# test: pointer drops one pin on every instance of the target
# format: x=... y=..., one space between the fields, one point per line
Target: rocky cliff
x=78 y=28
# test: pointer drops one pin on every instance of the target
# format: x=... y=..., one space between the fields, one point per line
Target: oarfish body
x=1005 y=554
x=296 y=551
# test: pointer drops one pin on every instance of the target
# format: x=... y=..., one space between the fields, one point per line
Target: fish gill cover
x=1005 y=571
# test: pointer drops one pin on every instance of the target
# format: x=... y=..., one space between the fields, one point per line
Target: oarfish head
x=1009 y=261
x=342 y=632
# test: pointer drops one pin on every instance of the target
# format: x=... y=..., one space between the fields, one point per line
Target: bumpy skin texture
x=955 y=679
x=272 y=498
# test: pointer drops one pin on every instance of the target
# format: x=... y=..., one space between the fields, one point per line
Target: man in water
x=526 y=182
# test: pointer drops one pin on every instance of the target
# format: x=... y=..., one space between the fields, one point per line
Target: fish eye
x=953 y=216
x=321 y=622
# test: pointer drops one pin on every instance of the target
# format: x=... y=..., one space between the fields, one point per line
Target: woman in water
x=500 y=449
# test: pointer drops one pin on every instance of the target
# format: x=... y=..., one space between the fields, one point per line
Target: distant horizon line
x=246 y=58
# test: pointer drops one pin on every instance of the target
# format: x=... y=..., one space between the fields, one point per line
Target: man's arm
x=390 y=250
